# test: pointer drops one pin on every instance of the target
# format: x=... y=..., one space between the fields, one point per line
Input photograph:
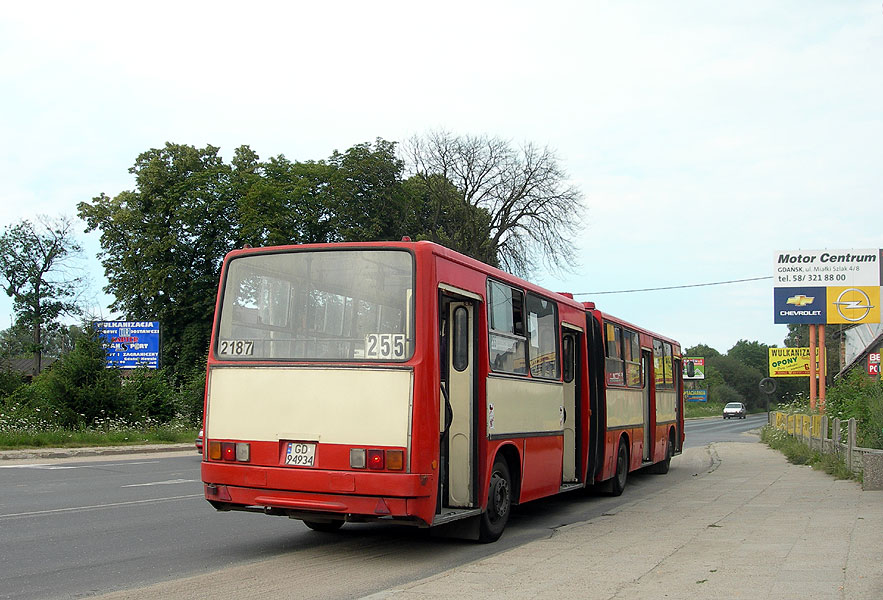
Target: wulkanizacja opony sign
x=816 y=287
x=130 y=344
x=792 y=362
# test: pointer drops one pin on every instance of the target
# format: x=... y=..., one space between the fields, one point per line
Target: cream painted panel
x=665 y=406
x=524 y=406
x=625 y=407
x=335 y=406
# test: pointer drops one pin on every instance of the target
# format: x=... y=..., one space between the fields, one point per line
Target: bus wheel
x=499 y=503
x=622 y=470
x=324 y=526
x=661 y=468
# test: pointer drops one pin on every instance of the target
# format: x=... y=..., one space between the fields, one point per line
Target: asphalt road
x=701 y=432
x=79 y=528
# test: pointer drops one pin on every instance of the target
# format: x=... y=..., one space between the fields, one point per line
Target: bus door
x=457 y=418
x=649 y=384
x=678 y=395
x=571 y=343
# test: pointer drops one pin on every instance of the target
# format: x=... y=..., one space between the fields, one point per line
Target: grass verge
x=79 y=438
x=693 y=410
x=799 y=453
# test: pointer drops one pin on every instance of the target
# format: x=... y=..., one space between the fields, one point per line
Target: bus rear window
x=318 y=305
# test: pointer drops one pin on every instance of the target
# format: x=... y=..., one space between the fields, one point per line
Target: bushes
x=799 y=453
x=858 y=396
x=79 y=392
x=9 y=382
x=80 y=387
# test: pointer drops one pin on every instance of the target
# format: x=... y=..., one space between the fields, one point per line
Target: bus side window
x=614 y=363
x=659 y=373
x=461 y=339
x=543 y=335
x=669 y=375
x=568 y=357
x=507 y=345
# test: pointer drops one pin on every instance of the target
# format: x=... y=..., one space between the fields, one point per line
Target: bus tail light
x=357 y=458
x=214 y=450
x=375 y=460
x=395 y=460
x=243 y=452
x=229 y=451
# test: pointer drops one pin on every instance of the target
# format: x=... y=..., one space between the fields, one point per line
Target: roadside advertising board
x=694 y=367
x=790 y=362
x=130 y=344
x=873 y=363
x=696 y=395
x=827 y=286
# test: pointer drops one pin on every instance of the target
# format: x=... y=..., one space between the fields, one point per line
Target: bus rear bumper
x=305 y=494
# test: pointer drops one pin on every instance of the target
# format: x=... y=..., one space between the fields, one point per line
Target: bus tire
x=499 y=503
x=661 y=468
x=324 y=526
x=617 y=484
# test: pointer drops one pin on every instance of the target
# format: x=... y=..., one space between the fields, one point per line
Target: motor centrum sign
x=827 y=286
x=130 y=344
x=790 y=362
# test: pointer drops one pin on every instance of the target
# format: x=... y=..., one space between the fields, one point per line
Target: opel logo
x=853 y=304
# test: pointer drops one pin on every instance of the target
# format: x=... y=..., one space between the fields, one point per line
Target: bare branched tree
x=520 y=210
x=38 y=271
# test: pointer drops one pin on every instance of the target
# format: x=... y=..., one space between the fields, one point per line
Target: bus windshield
x=347 y=305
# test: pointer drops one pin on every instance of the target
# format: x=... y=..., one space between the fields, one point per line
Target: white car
x=734 y=410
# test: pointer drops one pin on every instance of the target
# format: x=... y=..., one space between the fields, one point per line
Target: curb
x=32 y=453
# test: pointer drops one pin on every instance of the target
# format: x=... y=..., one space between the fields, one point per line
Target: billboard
x=790 y=362
x=696 y=395
x=130 y=344
x=805 y=305
x=694 y=367
x=873 y=363
x=816 y=287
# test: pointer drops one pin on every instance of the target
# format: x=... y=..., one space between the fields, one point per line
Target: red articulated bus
x=403 y=382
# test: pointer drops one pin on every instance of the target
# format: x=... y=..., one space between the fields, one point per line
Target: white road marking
x=169 y=482
x=97 y=506
x=51 y=467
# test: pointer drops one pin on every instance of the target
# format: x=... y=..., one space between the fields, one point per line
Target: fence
x=813 y=430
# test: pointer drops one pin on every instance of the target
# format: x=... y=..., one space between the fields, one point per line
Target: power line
x=671 y=287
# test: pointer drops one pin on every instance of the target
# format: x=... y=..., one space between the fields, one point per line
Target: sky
x=705 y=136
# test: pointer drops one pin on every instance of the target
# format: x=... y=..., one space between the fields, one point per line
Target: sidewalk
x=752 y=526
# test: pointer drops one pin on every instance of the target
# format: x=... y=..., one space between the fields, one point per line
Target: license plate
x=300 y=454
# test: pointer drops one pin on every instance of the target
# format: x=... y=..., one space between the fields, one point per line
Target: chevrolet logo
x=800 y=300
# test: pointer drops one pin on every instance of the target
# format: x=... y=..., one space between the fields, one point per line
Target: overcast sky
x=705 y=135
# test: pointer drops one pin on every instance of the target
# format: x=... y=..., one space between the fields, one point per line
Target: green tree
x=702 y=350
x=284 y=202
x=798 y=337
x=81 y=387
x=163 y=243
x=752 y=354
x=534 y=215
x=437 y=214
x=734 y=376
x=366 y=193
x=743 y=378
x=860 y=397
x=39 y=271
